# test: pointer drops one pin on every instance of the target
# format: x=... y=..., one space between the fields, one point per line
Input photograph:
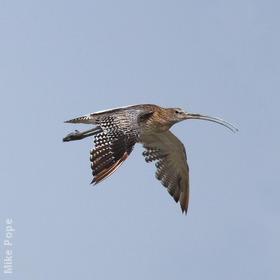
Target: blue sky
x=62 y=59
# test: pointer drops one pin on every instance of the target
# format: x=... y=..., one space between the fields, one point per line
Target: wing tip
x=184 y=211
x=184 y=202
x=109 y=171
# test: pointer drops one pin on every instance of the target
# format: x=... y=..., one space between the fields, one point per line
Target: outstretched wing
x=172 y=167
x=118 y=134
x=133 y=110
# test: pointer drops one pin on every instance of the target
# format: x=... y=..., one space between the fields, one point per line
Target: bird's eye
x=177 y=112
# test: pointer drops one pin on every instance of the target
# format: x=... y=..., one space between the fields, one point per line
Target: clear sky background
x=62 y=59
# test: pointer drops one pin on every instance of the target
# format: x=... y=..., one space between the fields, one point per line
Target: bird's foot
x=76 y=135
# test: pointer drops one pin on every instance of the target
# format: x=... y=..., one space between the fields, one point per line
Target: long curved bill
x=213 y=119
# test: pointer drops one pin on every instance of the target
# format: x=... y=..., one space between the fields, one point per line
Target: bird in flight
x=116 y=131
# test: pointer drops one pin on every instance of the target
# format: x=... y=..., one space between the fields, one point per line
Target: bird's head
x=177 y=115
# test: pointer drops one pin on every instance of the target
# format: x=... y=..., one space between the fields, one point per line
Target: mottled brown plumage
x=116 y=132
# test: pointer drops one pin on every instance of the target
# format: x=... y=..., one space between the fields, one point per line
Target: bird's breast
x=152 y=126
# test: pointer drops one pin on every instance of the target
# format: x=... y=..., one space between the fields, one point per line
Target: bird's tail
x=87 y=119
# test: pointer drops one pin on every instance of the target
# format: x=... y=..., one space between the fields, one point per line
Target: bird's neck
x=159 y=122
